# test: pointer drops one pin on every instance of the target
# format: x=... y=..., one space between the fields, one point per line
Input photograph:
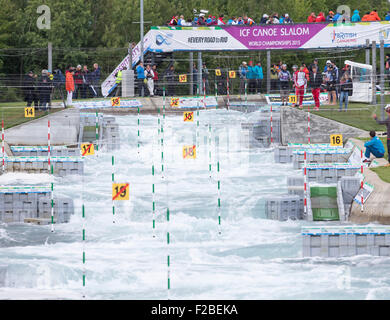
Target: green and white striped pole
x=83 y=236
x=168 y=256
x=219 y=199
x=113 y=179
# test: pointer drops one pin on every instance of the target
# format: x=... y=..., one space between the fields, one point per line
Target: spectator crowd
x=201 y=19
x=78 y=82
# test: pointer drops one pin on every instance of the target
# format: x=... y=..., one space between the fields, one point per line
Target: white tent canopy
x=362 y=79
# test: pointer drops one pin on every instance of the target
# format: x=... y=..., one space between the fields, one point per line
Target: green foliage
x=109 y=25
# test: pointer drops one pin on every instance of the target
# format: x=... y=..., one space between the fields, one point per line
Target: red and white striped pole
x=204 y=93
x=2 y=143
x=308 y=125
x=272 y=139
x=48 y=146
x=362 y=184
x=305 y=183
x=228 y=91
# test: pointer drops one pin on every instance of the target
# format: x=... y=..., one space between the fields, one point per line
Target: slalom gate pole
x=2 y=144
x=52 y=204
x=216 y=93
x=308 y=125
x=168 y=257
x=162 y=137
x=209 y=150
x=197 y=120
x=228 y=93
x=204 y=93
x=97 y=131
x=305 y=182
x=83 y=236
x=271 y=127
x=48 y=146
x=362 y=183
x=246 y=95
x=154 y=202
x=219 y=199
x=113 y=180
x=138 y=137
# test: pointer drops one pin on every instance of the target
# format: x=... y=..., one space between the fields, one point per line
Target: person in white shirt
x=300 y=83
x=149 y=75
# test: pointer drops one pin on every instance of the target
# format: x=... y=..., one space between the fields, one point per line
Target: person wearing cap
x=243 y=70
x=330 y=16
x=284 y=79
x=287 y=19
x=264 y=19
x=78 y=82
x=44 y=88
x=29 y=89
x=385 y=122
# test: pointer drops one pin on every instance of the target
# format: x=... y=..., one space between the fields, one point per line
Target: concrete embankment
x=295 y=128
x=64 y=130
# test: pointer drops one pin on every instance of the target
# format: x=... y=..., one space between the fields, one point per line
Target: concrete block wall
x=345 y=241
x=42 y=151
x=108 y=130
x=319 y=156
x=62 y=166
x=284 y=154
x=283 y=207
x=330 y=173
x=33 y=203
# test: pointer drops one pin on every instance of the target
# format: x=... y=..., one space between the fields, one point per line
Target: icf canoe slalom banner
x=264 y=37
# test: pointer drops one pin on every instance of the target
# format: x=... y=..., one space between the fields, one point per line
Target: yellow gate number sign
x=29 y=112
x=232 y=74
x=336 y=140
x=116 y=102
x=174 y=102
x=87 y=149
x=189 y=152
x=183 y=78
x=218 y=72
x=120 y=191
x=292 y=99
x=188 y=116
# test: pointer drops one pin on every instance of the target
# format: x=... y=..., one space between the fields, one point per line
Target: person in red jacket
x=155 y=79
x=374 y=15
x=312 y=18
x=320 y=17
x=300 y=83
x=69 y=85
x=78 y=81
